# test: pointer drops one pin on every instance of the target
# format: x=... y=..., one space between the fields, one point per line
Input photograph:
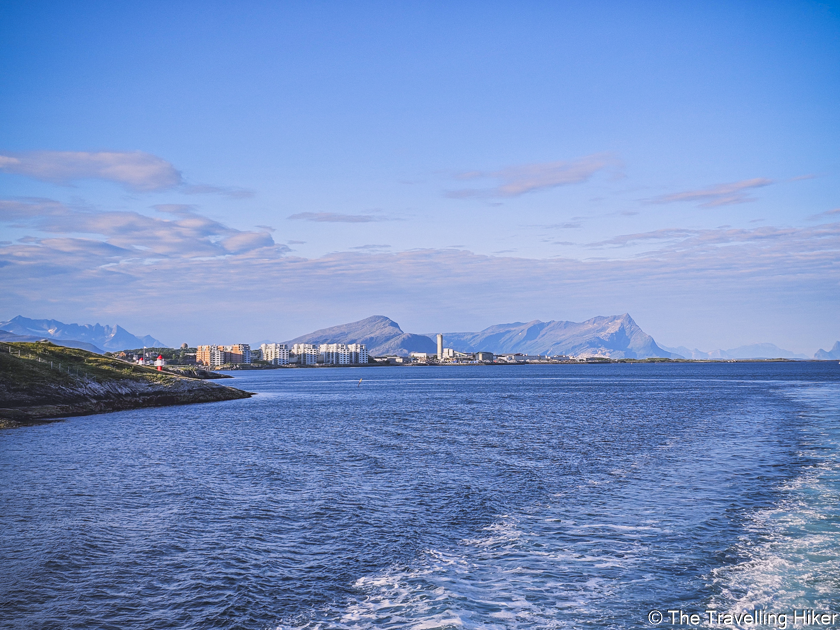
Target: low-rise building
x=520 y=358
x=450 y=354
x=484 y=356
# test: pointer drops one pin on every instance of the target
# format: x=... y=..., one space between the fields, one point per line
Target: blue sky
x=214 y=172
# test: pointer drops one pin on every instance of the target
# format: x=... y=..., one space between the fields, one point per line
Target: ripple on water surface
x=537 y=496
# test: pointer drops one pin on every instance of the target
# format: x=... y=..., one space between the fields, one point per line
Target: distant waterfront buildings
x=281 y=354
x=275 y=353
x=342 y=353
x=522 y=358
x=305 y=353
x=334 y=353
x=214 y=356
x=358 y=353
x=450 y=354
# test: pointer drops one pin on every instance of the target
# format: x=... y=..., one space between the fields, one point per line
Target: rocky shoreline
x=45 y=382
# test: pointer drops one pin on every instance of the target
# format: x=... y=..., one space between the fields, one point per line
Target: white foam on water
x=496 y=581
x=554 y=569
x=792 y=551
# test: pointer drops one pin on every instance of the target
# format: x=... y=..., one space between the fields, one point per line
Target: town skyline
x=616 y=336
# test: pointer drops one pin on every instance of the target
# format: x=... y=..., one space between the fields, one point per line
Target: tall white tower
x=440 y=346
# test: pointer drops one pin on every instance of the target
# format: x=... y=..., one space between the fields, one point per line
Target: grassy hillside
x=42 y=380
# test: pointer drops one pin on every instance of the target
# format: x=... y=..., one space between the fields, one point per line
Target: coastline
x=41 y=382
x=590 y=361
x=14 y=417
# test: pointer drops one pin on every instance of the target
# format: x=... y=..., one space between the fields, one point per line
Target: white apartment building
x=334 y=353
x=275 y=353
x=307 y=353
x=217 y=356
x=358 y=353
x=326 y=353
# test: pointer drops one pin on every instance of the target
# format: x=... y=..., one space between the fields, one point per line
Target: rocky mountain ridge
x=752 y=351
x=113 y=338
x=381 y=335
x=5 y=335
x=616 y=337
x=824 y=355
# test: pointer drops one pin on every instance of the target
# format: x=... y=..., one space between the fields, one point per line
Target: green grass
x=32 y=391
x=18 y=370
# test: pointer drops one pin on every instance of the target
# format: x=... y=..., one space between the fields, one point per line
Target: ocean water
x=560 y=496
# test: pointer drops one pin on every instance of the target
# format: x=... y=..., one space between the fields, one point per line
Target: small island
x=42 y=381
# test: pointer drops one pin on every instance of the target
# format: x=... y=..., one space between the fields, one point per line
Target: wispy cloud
x=371 y=248
x=131 y=234
x=713 y=242
x=79 y=276
x=569 y=225
x=175 y=208
x=666 y=234
x=226 y=191
x=518 y=180
x=135 y=170
x=826 y=214
x=720 y=195
x=29 y=208
x=335 y=217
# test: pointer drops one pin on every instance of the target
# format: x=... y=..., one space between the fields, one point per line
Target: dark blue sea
x=555 y=496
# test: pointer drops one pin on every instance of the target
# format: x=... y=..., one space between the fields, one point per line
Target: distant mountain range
x=754 y=351
x=5 y=335
x=94 y=337
x=834 y=353
x=617 y=337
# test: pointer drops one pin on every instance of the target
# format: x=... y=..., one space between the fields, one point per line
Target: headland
x=42 y=381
